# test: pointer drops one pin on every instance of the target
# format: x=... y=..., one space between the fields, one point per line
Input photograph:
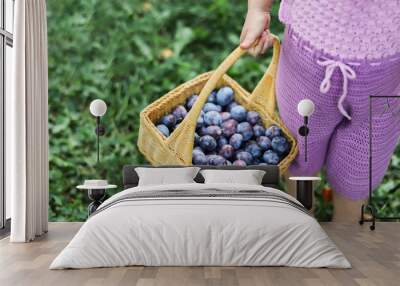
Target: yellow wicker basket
x=177 y=148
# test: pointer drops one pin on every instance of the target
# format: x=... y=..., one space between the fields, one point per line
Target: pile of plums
x=226 y=133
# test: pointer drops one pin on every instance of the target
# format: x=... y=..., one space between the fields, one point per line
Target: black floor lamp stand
x=100 y=130
x=369 y=208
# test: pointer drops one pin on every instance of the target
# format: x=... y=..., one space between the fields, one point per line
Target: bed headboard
x=271 y=177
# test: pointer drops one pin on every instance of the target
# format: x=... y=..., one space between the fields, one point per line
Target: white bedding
x=185 y=231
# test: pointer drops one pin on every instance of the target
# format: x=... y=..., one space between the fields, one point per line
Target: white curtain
x=26 y=124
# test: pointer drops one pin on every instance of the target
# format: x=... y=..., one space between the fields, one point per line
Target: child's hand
x=256 y=28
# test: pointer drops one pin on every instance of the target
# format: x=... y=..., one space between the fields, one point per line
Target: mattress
x=201 y=225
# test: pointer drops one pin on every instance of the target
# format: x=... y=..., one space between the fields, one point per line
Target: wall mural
x=132 y=55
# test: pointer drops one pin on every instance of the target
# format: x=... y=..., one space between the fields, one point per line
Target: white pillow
x=248 y=177
x=166 y=176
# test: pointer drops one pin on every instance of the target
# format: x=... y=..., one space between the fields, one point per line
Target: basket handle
x=184 y=133
x=264 y=92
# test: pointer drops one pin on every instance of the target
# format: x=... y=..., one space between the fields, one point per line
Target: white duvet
x=200 y=231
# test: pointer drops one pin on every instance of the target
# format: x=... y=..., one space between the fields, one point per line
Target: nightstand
x=304 y=190
x=96 y=192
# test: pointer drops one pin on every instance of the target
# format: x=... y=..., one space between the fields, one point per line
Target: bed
x=198 y=224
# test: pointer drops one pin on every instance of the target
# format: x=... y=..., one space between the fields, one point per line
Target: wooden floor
x=375 y=257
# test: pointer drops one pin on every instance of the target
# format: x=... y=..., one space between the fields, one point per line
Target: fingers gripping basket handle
x=184 y=133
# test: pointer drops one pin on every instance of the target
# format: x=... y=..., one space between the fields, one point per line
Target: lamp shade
x=98 y=107
x=305 y=107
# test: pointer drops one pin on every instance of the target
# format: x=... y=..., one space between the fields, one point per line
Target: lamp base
x=96 y=196
x=305 y=193
x=368 y=209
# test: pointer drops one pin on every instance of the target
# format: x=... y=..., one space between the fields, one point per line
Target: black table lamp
x=306 y=109
x=98 y=108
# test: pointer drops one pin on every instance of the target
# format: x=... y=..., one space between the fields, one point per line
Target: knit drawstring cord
x=348 y=74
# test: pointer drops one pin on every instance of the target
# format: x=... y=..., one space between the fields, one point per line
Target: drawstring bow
x=348 y=74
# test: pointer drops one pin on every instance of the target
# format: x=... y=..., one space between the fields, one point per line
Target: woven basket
x=177 y=148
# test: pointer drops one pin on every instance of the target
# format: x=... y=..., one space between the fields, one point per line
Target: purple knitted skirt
x=339 y=127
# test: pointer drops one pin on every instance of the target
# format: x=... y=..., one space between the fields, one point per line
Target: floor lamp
x=369 y=207
x=98 y=108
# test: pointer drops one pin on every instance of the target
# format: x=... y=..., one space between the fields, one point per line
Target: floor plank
x=375 y=257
